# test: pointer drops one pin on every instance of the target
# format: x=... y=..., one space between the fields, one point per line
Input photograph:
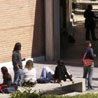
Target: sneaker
x=90 y=88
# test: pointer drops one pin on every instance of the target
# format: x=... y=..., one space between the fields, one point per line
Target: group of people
x=27 y=76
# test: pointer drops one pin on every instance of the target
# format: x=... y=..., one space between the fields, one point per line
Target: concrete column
x=68 y=11
x=56 y=29
x=49 y=30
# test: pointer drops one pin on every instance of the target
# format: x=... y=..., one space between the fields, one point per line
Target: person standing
x=88 y=70
x=90 y=23
x=17 y=63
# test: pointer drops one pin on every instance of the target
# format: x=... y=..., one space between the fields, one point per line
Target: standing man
x=90 y=23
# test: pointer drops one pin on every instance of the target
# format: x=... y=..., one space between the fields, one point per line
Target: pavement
x=77 y=72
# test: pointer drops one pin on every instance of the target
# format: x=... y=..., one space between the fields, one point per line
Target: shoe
x=90 y=88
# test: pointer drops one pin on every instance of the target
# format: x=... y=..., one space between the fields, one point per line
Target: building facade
x=34 y=23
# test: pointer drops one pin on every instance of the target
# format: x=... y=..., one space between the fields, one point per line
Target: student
x=29 y=73
x=7 y=79
x=17 y=63
x=61 y=73
x=7 y=86
x=88 y=70
x=90 y=23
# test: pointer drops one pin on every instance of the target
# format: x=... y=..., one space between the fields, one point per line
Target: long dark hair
x=17 y=47
x=5 y=72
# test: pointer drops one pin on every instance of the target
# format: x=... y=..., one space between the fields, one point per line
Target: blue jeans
x=46 y=75
x=18 y=76
x=88 y=73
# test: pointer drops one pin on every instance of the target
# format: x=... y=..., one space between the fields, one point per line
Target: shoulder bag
x=86 y=62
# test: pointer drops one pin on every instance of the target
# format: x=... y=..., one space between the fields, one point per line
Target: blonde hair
x=29 y=64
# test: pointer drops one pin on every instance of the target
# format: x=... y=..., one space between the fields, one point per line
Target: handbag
x=86 y=62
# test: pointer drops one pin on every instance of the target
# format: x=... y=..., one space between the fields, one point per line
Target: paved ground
x=77 y=72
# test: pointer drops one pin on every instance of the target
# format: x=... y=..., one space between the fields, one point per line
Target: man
x=90 y=23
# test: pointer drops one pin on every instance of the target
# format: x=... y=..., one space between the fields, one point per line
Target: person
x=7 y=86
x=61 y=73
x=7 y=79
x=58 y=76
x=88 y=70
x=17 y=63
x=90 y=23
x=46 y=75
x=29 y=74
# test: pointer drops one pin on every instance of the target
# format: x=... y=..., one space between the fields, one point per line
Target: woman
x=29 y=73
x=17 y=63
x=7 y=79
x=88 y=70
x=61 y=73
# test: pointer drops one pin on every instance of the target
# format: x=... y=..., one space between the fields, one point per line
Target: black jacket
x=89 y=19
x=61 y=73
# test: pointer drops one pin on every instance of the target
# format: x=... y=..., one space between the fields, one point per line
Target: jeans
x=46 y=75
x=88 y=30
x=18 y=76
x=88 y=73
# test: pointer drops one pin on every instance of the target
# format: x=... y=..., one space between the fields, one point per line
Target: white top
x=29 y=75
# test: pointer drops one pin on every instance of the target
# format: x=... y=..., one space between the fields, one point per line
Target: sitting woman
x=61 y=73
x=7 y=79
x=29 y=74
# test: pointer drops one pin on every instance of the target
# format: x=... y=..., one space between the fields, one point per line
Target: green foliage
x=29 y=94
x=52 y=96
x=92 y=95
x=25 y=94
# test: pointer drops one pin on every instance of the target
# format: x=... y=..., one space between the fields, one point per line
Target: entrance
x=63 y=29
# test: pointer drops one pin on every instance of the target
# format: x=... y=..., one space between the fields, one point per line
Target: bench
x=55 y=88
